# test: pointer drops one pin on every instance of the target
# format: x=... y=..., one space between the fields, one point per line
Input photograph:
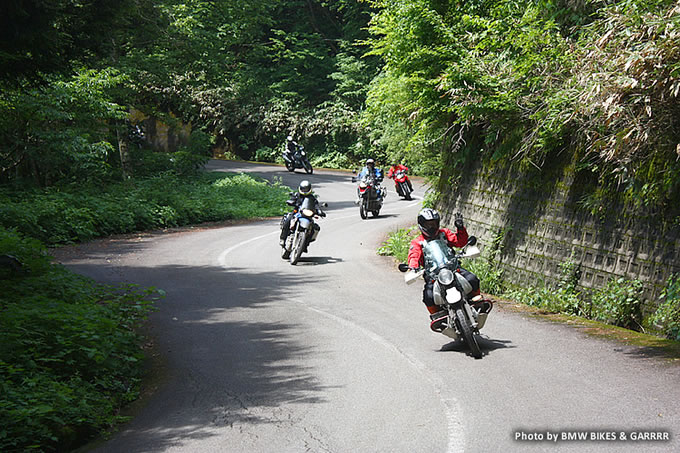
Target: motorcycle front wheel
x=308 y=166
x=298 y=247
x=468 y=336
x=407 y=191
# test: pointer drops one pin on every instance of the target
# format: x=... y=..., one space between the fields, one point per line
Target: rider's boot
x=437 y=317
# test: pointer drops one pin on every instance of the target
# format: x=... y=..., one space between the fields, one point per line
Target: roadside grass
x=611 y=309
x=72 y=351
x=71 y=214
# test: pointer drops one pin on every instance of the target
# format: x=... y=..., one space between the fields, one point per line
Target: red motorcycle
x=401 y=182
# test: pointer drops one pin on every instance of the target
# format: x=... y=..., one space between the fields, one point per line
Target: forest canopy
x=432 y=83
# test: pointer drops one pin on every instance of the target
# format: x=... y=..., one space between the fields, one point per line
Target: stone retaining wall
x=543 y=228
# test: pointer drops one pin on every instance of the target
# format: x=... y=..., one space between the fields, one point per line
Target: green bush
x=618 y=303
x=667 y=316
x=66 y=214
x=70 y=353
x=267 y=154
x=397 y=243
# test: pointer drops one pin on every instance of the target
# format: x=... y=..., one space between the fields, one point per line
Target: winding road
x=335 y=354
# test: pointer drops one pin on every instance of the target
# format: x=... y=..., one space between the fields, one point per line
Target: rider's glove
x=459 y=221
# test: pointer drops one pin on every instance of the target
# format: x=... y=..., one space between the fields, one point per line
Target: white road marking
x=456 y=431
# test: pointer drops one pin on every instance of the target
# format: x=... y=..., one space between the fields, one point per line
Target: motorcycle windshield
x=307 y=203
x=437 y=255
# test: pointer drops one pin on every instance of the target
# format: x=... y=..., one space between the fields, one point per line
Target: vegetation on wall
x=524 y=82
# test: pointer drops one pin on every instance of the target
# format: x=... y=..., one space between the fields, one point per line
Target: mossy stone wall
x=542 y=226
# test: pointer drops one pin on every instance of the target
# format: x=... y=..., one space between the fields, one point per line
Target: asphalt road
x=335 y=354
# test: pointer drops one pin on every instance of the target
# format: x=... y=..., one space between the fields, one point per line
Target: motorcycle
x=402 y=185
x=297 y=160
x=303 y=231
x=452 y=291
x=371 y=196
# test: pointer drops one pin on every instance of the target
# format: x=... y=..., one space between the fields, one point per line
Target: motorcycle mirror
x=403 y=267
x=472 y=240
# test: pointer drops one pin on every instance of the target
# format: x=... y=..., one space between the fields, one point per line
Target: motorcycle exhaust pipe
x=481 y=320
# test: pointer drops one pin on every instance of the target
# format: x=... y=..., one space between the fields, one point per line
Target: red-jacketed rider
x=392 y=173
x=428 y=223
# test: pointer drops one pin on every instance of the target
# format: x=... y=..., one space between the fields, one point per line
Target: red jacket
x=393 y=170
x=415 y=252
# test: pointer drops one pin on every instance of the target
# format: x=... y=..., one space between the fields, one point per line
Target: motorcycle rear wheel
x=468 y=336
x=298 y=247
x=376 y=213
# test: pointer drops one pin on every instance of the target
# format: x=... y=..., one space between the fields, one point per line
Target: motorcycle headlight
x=362 y=185
x=308 y=213
x=445 y=277
x=303 y=153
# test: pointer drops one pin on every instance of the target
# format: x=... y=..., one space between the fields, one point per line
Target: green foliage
x=667 y=316
x=528 y=81
x=58 y=132
x=619 y=303
x=69 y=352
x=487 y=266
x=398 y=242
x=78 y=213
x=562 y=298
x=267 y=154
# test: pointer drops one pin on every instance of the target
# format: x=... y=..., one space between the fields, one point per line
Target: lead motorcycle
x=303 y=231
x=371 y=195
x=452 y=291
x=297 y=160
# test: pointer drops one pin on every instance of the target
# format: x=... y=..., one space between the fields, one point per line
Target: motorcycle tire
x=468 y=335
x=298 y=247
x=376 y=213
x=308 y=167
x=285 y=253
x=362 y=211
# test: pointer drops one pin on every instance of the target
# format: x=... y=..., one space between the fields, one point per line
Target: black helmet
x=428 y=222
x=305 y=188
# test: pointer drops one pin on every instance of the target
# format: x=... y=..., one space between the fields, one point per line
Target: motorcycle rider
x=428 y=223
x=369 y=170
x=291 y=147
x=392 y=173
x=304 y=191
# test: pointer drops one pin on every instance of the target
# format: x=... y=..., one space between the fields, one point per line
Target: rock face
x=161 y=135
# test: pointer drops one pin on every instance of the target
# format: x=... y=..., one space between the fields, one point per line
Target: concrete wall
x=545 y=228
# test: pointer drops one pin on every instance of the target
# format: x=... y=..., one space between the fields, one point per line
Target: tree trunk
x=124 y=150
